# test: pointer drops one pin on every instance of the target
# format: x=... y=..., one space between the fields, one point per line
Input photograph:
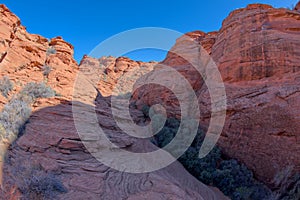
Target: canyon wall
x=49 y=156
x=257 y=53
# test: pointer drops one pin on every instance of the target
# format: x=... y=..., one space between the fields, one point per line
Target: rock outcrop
x=110 y=71
x=23 y=56
x=257 y=53
x=49 y=156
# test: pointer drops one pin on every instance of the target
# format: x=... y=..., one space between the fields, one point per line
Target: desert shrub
x=32 y=91
x=51 y=50
x=35 y=183
x=13 y=116
x=5 y=86
x=16 y=113
x=46 y=70
x=233 y=178
x=164 y=137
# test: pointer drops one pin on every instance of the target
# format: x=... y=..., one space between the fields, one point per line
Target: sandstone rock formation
x=23 y=56
x=257 y=53
x=110 y=70
x=50 y=149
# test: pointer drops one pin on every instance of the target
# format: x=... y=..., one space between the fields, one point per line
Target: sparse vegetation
x=32 y=91
x=34 y=183
x=46 y=70
x=231 y=177
x=13 y=117
x=5 y=86
x=51 y=50
x=16 y=112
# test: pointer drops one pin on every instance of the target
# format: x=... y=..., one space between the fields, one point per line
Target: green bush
x=231 y=177
x=5 y=86
x=237 y=181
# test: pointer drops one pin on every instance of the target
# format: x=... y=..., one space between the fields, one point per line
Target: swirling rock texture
x=50 y=146
x=257 y=53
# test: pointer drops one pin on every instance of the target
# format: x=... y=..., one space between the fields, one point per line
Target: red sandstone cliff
x=257 y=53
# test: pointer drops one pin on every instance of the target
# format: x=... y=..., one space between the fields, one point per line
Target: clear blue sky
x=87 y=23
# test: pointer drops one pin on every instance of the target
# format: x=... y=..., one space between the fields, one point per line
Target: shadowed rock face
x=55 y=147
x=257 y=53
x=50 y=147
